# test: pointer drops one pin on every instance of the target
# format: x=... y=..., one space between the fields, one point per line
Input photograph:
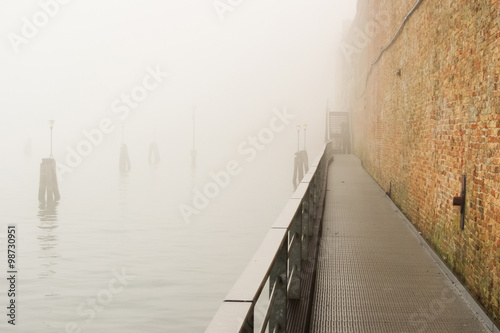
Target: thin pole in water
x=193 y=151
x=298 y=138
x=194 y=133
x=123 y=132
x=305 y=129
x=51 y=124
x=327 y=122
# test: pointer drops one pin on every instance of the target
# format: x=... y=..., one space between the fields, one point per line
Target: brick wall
x=428 y=112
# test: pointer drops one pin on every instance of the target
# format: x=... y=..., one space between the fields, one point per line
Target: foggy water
x=81 y=69
x=107 y=222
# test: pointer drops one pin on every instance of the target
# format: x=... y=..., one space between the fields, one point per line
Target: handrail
x=278 y=259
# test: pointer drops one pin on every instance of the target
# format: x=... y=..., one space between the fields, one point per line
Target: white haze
x=265 y=56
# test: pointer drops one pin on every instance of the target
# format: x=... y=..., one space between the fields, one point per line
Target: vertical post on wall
x=193 y=150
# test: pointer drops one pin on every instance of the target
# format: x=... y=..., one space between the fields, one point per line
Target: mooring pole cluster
x=193 y=151
x=154 y=153
x=124 y=157
x=301 y=160
x=48 y=189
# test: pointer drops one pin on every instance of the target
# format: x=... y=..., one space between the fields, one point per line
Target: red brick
x=441 y=118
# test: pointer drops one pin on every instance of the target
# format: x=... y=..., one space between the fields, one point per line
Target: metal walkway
x=374 y=275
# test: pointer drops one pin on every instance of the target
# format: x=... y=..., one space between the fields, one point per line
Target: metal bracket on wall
x=460 y=201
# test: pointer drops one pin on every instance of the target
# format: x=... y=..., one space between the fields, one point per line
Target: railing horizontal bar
x=319 y=157
x=317 y=160
x=309 y=175
x=286 y=216
x=250 y=284
x=301 y=191
x=230 y=317
x=237 y=311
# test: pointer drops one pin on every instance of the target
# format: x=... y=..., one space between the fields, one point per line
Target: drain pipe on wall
x=391 y=42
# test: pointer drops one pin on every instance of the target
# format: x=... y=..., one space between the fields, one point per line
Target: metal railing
x=278 y=261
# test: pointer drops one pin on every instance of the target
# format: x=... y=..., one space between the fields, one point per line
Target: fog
x=263 y=55
x=93 y=66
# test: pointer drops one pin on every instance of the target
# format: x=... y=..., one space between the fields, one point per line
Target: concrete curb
x=464 y=293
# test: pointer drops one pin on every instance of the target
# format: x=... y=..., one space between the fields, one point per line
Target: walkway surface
x=374 y=275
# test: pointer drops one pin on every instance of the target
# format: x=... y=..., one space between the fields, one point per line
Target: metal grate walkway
x=373 y=273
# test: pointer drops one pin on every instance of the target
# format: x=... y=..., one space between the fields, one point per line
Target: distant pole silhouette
x=193 y=151
x=301 y=160
x=327 y=125
x=124 y=157
x=305 y=132
x=297 y=169
x=51 y=124
x=298 y=137
x=154 y=154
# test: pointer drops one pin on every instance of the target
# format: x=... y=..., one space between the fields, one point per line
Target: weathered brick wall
x=428 y=112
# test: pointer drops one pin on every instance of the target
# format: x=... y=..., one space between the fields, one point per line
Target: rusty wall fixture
x=460 y=201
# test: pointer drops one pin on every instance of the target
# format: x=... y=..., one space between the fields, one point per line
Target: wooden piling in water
x=305 y=161
x=124 y=159
x=295 y=171
x=301 y=166
x=48 y=189
x=154 y=154
x=193 y=151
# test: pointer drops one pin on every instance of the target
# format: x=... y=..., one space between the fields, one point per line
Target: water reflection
x=48 y=211
x=47 y=237
x=123 y=189
x=193 y=177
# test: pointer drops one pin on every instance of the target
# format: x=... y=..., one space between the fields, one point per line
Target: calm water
x=108 y=224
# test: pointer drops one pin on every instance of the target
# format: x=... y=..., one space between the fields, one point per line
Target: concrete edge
x=464 y=293
x=473 y=305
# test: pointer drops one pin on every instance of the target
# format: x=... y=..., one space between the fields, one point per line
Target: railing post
x=278 y=261
x=249 y=324
x=277 y=318
x=314 y=198
x=305 y=231
x=318 y=185
x=295 y=258
x=309 y=212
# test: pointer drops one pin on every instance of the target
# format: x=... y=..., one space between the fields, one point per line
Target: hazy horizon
x=255 y=75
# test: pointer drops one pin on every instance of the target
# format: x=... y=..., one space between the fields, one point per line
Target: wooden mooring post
x=301 y=167
x=193 y=151
x=154 y=153
x=124 y=159
x=48 y=190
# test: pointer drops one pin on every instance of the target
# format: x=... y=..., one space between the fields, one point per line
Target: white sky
x=265 y=54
